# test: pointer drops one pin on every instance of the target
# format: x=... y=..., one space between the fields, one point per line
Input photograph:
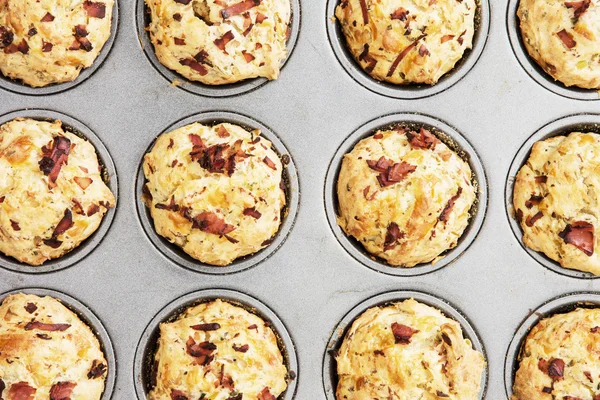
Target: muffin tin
x=311 y=281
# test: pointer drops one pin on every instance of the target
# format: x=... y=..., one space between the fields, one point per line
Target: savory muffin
x=563 y=38
x=559 y=359
x=404 y=195
x=556 y=197
x=407 y=350
x=52 y=195
x=220 y=41
x=47 y=352
x=215 y=191
x=218 y=351
x=407 y=41
x=51 y=41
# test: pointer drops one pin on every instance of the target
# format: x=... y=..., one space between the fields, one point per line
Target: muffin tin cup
x=20 y=88
x=411 y=91
x=562 y=126
x=290 y=176
x=531 y=66
x=559 y=305
x=451 y=137
x=89 y=244
x=144 y=355
x=89 y=318
x=339 y=332
x=143 y=20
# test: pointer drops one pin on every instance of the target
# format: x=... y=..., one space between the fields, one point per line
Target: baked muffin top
x=404 y=195
x=559 y=359
x=51 y=41
x=217 y=42
x=52 y=195
x=407 y=350
x=217 y=350
x=47 y=352
x=556 y=197
x=563 y=38
x=407 y=41
x=215 y=191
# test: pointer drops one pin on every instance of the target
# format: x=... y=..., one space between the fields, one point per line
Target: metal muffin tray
x=313 y=280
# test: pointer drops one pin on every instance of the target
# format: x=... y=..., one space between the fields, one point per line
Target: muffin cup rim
x=557 y=127
x=531 y=67
x=86 y=247
x=90 y=319
x=456 y=138
x=235 y=297
x=175 y=254
x=214 y=91
x=448 y=309
x=554 y=306
x=337 y=41
x=13 y=86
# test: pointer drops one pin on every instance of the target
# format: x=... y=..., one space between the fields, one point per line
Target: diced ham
x=403 y=54
x=47 y=18
x=252 y=212
x=422 y=140
x=21 y=391
x=402 y=333
x=223 y=40
x=203 y=352
x=62 y=390
x=206 y=327
x=35 y=325
x=95 y=9
x=239 y=8
x=567 y=38
x=581 y=235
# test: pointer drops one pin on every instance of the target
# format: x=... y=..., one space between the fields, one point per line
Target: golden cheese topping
x=405 y=196
x=563 y=38
x=559 y=359
x=51 y=41
x=47 y=352
x=215 y=191
x=556 y=198
x=52 y=196
x=407 y=350
x=220 y=41
x=407 y=41
x=218 y=351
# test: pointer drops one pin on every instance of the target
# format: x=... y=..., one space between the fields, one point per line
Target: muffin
x=215 y=191
x=407 y=41
x=52 y=195
x=556 y=197
x=218 y=351
x=405 y=196
x=563 y=38
x=48 y=41
x=407 y=350
x=559 y=359
x=216 y=42
x=47 y=352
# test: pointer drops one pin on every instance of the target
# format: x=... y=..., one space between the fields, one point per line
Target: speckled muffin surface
x=50 y=41
x=407 y=350
x=218 y=351
x=559 y=359
x=52 y=195
x=407 y=41
x=215 y=191
x=405 y=196
x=556 y=197
x=563 y=38
x=47 y=352
x=216 y=42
